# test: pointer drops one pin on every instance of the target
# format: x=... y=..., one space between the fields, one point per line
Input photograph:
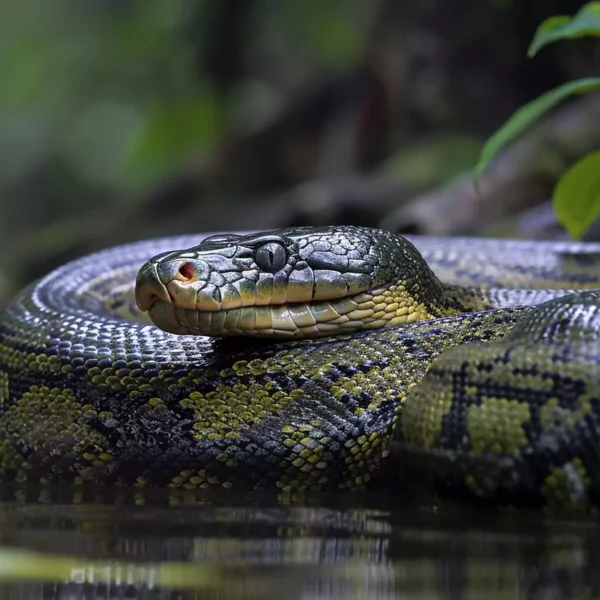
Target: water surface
x=70 y=544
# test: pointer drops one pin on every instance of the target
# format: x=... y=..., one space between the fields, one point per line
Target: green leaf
x=577 y=195
x=527 y=115
x=586 y=22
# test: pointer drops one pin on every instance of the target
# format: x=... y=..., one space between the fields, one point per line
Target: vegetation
x=576 y=196
x=128 y=119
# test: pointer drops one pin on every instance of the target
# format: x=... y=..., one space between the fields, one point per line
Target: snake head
x=300 y=282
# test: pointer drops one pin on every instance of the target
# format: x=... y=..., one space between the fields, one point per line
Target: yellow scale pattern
x=510 y=407
x=226 y=411
x=57 y=413
x=471 y=418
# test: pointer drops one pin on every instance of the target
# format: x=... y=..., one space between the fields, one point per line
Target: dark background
x=124 y=119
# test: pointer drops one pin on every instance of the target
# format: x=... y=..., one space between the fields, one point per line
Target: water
x=102 y=544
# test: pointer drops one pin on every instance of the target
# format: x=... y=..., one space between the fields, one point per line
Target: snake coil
x=467 y=368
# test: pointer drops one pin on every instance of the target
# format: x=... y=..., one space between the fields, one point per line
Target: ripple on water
x=101 y=544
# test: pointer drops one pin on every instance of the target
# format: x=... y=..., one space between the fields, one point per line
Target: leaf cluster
x=576 y=196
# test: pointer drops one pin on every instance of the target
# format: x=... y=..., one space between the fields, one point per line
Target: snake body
x=479 y=383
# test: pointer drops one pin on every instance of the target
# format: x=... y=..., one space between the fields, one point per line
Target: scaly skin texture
x=516 y=421
x=304 y=282
x=88 y=395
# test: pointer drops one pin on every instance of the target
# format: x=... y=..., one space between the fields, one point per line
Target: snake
x=312 y=359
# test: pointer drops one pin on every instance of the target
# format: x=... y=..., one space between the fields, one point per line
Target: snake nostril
x=187 y=271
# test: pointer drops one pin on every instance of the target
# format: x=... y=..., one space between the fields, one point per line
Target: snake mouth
x=178 y=302
x=367 y=310
x=293 y=320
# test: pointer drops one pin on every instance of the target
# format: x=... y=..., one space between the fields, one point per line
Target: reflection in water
x=72 y=544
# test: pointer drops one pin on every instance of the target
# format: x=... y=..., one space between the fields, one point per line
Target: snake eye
x=271 y=257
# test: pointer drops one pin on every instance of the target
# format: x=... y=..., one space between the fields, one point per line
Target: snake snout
x=168 y=280
x=186 y=281
x=149 y=288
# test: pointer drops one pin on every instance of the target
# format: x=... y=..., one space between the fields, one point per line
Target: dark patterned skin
x=90 y=392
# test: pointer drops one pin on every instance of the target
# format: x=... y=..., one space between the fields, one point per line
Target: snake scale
x=463 y=368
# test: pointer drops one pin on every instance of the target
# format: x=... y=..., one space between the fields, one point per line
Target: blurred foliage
x=433 y=161
x=577 y=194
x=112 y=93
x=527 y=115
x=121 y=119
x=113 y=87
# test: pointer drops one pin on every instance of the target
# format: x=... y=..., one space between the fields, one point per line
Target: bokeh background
x=125 y=119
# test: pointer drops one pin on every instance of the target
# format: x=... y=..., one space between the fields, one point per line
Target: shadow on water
x=102 y=544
